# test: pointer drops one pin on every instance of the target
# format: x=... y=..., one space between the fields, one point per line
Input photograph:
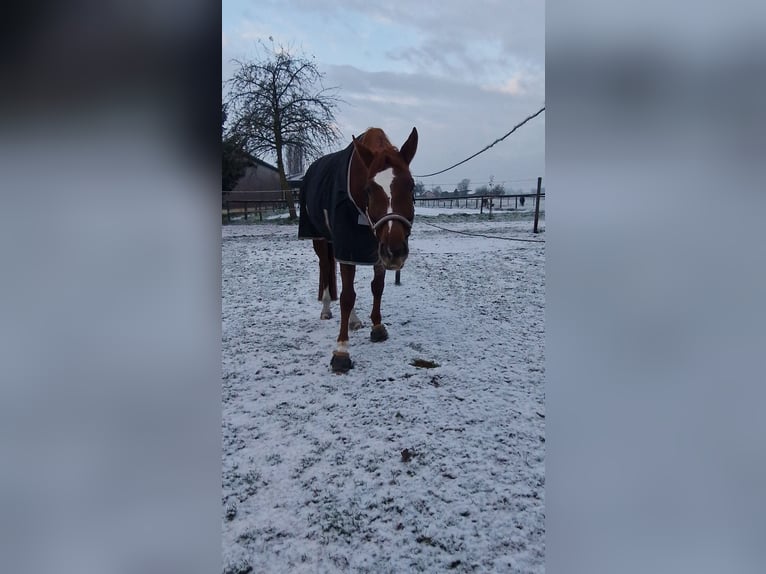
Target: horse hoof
x=327 y=315
x=378 y=333
x=341 y=362
x=355 y=325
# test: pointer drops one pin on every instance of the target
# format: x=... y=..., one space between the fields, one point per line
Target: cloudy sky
x=462 y=72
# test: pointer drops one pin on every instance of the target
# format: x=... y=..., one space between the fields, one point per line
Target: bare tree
x=462 y=187
x=278 y=101
x=233 y=162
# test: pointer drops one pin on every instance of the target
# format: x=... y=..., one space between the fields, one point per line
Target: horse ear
x=364 y=152
x=410 y=147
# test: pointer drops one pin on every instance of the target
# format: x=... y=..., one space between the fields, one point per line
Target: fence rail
x=479 y=202
x=260 y=201
x=239 y=201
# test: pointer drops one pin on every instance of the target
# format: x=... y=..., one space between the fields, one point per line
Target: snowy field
x=526 y=211
x=391 y=467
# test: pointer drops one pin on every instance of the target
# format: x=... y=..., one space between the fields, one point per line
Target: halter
x=388 y=217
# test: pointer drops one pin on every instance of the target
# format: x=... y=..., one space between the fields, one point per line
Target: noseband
x=389 y=217
x=385 y=218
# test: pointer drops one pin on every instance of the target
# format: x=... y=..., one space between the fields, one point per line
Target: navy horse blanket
x=328 y=212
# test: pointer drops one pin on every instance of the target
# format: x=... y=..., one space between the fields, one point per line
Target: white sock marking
x=326 y=300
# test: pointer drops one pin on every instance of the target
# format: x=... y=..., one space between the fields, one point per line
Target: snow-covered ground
x=391 y=467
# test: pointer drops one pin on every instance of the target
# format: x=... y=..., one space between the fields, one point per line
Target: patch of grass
x=283 y=221
x=431 y=542
x=238 y=218
x=424 y=364
x=238 y=568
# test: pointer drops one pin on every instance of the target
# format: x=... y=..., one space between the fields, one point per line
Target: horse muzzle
x=393 y=258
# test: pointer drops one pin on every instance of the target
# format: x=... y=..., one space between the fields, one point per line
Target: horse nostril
x=400 y=252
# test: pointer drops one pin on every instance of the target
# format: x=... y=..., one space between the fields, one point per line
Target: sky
x=464 y=73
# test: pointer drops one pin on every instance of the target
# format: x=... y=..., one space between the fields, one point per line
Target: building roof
x=256 y=161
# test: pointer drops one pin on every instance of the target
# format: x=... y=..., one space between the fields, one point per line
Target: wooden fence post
x=537 y=201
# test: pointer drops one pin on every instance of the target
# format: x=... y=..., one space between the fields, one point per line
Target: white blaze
x=384 y=179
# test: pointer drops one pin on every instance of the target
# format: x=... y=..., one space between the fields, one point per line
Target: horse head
x=388 y=193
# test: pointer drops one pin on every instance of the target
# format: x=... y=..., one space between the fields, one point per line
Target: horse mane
x=376 y=140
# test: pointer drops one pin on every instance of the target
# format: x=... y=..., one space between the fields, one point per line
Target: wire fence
x=491 y=203
x=517 y=201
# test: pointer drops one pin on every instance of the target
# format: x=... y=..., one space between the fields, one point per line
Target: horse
x=357 y=206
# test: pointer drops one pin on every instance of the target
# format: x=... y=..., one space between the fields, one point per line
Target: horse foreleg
x=378 y=332
x=341 y=360
x=326 y=312
x=328 y=290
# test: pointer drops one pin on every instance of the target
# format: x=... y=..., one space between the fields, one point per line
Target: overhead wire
x=498 y=140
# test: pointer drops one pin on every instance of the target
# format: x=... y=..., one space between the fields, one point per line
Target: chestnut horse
x=358 y=207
